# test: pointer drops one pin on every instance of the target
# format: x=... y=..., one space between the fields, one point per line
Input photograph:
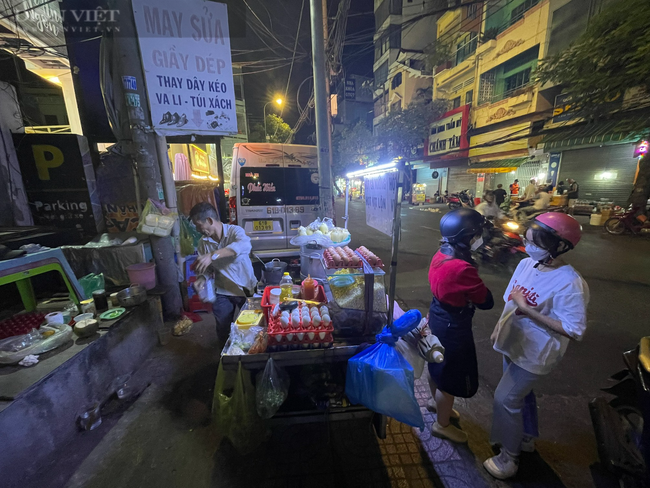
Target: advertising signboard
x=60 y=181
x=448 y=135
x=185 y=48
x=380 y=201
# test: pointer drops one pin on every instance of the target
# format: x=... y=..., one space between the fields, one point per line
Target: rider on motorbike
x=488 y=207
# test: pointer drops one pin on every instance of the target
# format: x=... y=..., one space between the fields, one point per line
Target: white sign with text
x=445 y=134
x=185 y=48
x=380 y=201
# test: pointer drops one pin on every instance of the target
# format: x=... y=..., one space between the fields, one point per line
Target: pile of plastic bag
x=324 y=232
x=48 y=337
x=381 y=379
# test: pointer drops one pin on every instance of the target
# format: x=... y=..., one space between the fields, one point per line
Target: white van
x=273 y=191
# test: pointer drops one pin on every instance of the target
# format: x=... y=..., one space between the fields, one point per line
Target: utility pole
x=143 y=147
x=321 y=104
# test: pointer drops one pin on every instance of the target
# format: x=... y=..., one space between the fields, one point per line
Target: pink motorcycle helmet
x=563 y=226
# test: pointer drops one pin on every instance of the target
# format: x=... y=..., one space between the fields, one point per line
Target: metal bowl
x=132 y=296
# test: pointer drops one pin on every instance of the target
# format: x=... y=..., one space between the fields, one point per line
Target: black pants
x=224 y=309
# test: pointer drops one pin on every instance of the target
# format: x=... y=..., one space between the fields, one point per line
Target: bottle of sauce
x=308 y=288
x=285 y=286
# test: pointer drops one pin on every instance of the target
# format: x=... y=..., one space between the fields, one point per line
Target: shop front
x=446 y=153
x=600 y=157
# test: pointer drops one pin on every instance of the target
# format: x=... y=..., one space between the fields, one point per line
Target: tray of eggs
x=303 y=328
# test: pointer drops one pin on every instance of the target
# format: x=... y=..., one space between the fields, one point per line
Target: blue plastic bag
x=380 y=379
x=401 y=326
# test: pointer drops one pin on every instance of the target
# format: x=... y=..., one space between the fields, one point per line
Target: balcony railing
x=515 y=92
x=47 y=129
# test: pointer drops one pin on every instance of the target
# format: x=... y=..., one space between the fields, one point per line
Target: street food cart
x=418 y=193
x=354 y=298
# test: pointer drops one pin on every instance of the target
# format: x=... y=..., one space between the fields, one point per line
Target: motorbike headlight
x=512 y=225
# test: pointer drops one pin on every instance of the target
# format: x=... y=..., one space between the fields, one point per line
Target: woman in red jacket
x=457 y=290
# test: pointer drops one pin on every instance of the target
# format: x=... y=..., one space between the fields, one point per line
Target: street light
x=279 y=101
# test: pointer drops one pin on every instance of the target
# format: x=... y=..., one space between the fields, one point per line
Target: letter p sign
x=46 y=157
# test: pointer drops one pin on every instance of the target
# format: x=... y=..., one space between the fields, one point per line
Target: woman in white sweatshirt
x=546 y=303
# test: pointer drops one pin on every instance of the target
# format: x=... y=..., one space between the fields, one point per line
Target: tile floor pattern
x=348 y=454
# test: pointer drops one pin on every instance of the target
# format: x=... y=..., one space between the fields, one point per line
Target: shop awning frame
x=498 y=165
x=609 y=132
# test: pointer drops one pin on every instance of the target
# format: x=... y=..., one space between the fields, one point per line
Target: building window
x=455 y=103
x=518 y=12
x=390 y=39
x=381 y=75
x=386 y=8
x=396 y=81
x=472 y=11
x=486 y=87
x=469 y=96
x=516 y=81
x=466 y=47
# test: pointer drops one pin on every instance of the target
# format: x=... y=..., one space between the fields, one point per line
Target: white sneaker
x=503 y=466
x=451 y=432
x=431 y=407
x=528 y=444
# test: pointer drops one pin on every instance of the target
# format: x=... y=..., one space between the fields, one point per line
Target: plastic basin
x=144 y=274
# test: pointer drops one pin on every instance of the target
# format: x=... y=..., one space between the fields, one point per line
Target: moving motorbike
x=461 y=199
x=622 y=424
x=627 y=222
x=502 y=245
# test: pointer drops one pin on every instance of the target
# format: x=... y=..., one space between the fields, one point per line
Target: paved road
x=617 y=270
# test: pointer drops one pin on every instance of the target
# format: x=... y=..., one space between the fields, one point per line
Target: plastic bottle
x=308 y=288
x=285 y=285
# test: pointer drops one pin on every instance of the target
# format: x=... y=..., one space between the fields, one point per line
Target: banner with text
x=185 y=48
x=380 y=201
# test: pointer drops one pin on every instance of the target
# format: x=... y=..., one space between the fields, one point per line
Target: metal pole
x=266 y=136
x=223 y=205
x=399 y=181
x=347 y=198
x=329 y=104
x=143 y=149
x=323 y=136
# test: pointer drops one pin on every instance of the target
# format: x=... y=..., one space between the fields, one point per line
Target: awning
x=613 y=132
x=497 y=166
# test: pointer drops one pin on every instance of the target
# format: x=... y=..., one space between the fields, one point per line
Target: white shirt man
x=224 y=251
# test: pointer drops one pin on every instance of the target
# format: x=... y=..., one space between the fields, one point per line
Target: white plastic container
x=274 y=296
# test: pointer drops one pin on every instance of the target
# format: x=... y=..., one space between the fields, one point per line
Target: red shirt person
x=457 y=290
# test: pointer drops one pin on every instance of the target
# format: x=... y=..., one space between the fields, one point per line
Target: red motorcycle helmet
x=563 y=227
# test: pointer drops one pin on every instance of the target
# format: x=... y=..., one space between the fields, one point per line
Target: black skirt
x=458 y=373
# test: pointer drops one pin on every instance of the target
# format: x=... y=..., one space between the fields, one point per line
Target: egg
x=316 y=320
x=311 y=336
x=284 y=321
x=285 y=314
x=324 y=311
x=295 y=321
x=313 y=311
x=326 y=320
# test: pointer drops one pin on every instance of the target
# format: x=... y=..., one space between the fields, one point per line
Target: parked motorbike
x=522 y=215
x=502 y=245
x=622 y=424
x=463 y=198
x=627 y=222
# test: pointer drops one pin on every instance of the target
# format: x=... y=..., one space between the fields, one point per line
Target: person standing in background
x=500 y=194
x=514 y=188
x=561 y=188
x=530 y=191
x=573 y=192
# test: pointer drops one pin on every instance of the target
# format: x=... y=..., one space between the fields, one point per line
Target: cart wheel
x=380 y=422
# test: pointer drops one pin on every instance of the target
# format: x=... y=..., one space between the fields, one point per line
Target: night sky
x=271 y=53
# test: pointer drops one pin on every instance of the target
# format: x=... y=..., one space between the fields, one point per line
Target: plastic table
x=20 y=271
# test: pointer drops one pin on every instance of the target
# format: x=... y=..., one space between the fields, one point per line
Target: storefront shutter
x=584 y=165
x=460 y=179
